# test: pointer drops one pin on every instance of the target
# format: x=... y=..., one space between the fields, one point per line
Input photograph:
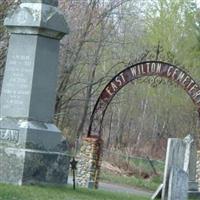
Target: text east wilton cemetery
x=150 y=69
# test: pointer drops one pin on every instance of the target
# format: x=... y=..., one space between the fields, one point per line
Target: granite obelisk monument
x=32 y=149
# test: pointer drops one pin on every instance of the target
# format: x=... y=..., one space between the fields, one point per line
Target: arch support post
x=90 y=157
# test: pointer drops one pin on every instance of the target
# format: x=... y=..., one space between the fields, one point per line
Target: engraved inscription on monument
x=9 y=135
x=18 y=80
x=17 y=86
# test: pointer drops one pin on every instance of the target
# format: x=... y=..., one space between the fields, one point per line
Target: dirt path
x=120 y=188
x=125 y=189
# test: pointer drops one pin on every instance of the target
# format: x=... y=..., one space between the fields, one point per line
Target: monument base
x=194 y=194
x=32 y=152
x=25 y=166
x=193 y=189
x=193 y=186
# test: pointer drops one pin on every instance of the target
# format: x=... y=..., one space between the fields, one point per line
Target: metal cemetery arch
x=139 y=70
x=88 y=169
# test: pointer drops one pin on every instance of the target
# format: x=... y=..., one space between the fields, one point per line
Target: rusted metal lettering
x=149 y=68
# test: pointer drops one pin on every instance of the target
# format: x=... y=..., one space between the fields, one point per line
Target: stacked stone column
x=90 y=157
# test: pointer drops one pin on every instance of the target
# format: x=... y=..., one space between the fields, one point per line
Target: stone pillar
x=88 y=169
x=192 y=172
x=32 y=149
x=198 y=169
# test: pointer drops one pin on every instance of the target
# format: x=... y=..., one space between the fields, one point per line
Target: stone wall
x=89 y=162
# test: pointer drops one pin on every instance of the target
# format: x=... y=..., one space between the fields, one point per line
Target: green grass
x=139 y=167
x=148 y=184
x=8 y=192
x=144 y=165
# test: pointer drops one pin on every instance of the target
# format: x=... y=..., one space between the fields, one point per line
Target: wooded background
x=105 y=37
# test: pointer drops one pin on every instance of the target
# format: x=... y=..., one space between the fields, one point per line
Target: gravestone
x=181 y=155
x=175 y=157
x=178 y=184
x=193 y=186
x=158 y=192
x=32 y=149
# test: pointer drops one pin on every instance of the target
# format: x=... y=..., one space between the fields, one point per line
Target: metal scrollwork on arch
x=136 y=71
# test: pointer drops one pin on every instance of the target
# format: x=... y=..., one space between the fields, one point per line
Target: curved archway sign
x=139 y=70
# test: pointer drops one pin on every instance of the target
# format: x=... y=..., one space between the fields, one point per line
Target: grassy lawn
x=148 y=184
x=138 y=167
x=8 y=192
